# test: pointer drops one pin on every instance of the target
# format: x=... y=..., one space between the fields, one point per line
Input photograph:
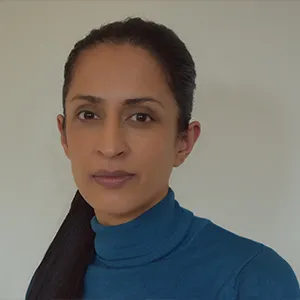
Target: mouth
x=112 y=179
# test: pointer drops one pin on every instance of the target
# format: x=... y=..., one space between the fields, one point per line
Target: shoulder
x=267 y=275
x=254 y=270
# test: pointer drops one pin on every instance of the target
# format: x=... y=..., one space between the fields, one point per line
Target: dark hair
x=60 y=275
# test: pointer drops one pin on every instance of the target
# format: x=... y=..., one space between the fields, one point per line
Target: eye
x=141 y=117
x=87 y=115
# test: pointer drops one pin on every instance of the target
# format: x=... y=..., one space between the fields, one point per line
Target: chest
x=166 y=280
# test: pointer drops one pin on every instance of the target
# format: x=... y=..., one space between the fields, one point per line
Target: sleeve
x=267 y=276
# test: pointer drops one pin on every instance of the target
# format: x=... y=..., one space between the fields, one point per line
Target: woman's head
x=127 y=99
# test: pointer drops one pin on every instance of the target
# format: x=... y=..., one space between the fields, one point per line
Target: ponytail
x=60 y=275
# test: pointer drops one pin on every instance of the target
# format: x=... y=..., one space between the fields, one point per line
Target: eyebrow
x=127 y=102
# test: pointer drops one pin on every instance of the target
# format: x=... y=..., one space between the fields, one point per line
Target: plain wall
x=244 y=172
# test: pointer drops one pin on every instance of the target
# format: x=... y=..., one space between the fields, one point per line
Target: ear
x=63 y=137
x=186 y=142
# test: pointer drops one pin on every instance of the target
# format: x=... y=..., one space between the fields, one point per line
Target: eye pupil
x=141 y=117
x=88 y=115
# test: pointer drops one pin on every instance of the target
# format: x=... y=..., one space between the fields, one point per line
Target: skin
x=140 y=138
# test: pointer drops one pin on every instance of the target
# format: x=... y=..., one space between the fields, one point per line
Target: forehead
x=118 y=72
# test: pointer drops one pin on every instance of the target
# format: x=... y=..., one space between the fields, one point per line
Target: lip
x=112 y=179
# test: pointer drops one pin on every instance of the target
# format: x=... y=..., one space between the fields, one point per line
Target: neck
x=146 y=238
x=108 y=219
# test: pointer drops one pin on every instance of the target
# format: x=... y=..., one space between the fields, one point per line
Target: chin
x=114 y=201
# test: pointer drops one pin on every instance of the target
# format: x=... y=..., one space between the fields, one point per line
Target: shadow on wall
x=236 y=171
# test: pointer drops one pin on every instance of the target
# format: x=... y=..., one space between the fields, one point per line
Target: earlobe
x=181 y=149
x=63 y=137
x=186 y=143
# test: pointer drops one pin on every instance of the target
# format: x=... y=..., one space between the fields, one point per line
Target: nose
x=111 y=140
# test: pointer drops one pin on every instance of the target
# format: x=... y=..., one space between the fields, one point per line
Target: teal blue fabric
x=169 y=253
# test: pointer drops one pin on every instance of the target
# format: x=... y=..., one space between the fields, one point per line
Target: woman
x=127 y=99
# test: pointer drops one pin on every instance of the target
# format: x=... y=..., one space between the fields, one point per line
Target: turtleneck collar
x=150 y=236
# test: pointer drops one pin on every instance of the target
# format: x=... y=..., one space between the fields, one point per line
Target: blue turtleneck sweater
x=167 y=253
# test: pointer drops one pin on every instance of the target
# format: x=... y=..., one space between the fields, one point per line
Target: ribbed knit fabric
x=168 y=253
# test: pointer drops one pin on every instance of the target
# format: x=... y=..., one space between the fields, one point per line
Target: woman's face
x=121 y=131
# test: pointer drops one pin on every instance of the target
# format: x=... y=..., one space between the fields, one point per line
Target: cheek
x=155 y=149
x=79 y=144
